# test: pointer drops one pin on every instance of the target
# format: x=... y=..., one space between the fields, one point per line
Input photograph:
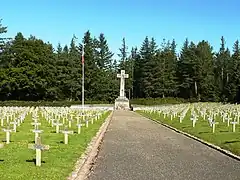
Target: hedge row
x=147 y=101
x=158 y=101
x=47 y=103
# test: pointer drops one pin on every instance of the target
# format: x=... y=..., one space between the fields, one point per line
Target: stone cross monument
x=122 y=101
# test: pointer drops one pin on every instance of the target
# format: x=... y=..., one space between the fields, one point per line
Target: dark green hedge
x=158 y=101
x=147 y=101
x=47 y=103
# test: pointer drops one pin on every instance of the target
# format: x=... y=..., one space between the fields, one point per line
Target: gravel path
x=135 y=148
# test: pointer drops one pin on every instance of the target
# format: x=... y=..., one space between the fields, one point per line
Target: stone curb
x=224 y=151
x=85 y=162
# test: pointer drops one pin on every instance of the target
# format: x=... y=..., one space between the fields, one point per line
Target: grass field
x=223 y=136
x=18 y=162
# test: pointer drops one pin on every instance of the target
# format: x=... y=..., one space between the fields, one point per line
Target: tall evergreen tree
x=205 y=72
x=104 y=55
x=123 y=54
x=221 y=70
x=234 y=74
x=3 y=30
x=147 y=54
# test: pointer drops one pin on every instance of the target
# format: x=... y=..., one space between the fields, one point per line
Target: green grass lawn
x=223 y=136
x=17 y=161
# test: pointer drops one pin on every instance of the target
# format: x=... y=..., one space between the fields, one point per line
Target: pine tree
x=3 y=30
x=147 y=54
x=221 y=71
x=205 y=72
x=234 y=74
x=90 y=64
x=123 y=54
x=168 y=62
x=104 y=55
x=185 y=70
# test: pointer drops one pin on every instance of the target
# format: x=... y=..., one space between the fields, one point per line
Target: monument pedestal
x=122 y=103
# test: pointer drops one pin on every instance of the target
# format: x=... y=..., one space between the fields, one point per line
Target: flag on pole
x=83 y=55
x=82 y=59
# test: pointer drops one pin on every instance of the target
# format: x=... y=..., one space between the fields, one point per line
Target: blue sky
x=57 y=20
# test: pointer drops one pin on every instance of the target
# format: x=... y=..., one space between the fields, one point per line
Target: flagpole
x=83 y=79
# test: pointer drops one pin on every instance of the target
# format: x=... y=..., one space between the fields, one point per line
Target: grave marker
x=79 y=125
x=194 y=120
x=14 y=125
x=8 y=131
x=37 y=132
x=234 y=125
x=57 y=124
x=38 y=147
x=36 y=124
x=66 y=132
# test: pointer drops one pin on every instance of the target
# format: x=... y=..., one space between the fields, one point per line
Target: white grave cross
x=15 y=123
x=37 y=132
x=38 y=147
x=57 y=124
x=36 y=124
x=66 y=132
x=234 y=125
x=8 y=131
x=214 y=123
x=79 y=125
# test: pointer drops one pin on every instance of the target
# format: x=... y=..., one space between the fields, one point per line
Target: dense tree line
x=31 y=69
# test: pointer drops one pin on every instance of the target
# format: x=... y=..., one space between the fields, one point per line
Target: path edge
x=85 y=162
x=224 y=151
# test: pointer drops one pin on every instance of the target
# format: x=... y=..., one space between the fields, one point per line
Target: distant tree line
x=32 y=70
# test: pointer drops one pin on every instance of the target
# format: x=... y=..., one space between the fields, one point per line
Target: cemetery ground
x=18 y=162
x=225 y=135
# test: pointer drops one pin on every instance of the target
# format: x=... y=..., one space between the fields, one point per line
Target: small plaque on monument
x=122 y=102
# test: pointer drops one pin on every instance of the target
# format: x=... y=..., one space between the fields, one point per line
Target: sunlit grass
x=17 y=161
x=223 y=136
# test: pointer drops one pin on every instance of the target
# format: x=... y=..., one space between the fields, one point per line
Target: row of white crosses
x=12 y=116
x=207 y=111
x=168 y=111
x=37 y=146
x=229 y=113
x=58 y=117
x=15 y=116
x=64 y=117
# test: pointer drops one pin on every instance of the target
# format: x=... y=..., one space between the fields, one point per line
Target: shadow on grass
x=75 y=132
x=186 y=127
x=60 y=142
x=1 y=160
x=6 y=141
x=223 y=131
x=34 y=161
x=229 y=142
x=53 y=132
x=205 y=132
